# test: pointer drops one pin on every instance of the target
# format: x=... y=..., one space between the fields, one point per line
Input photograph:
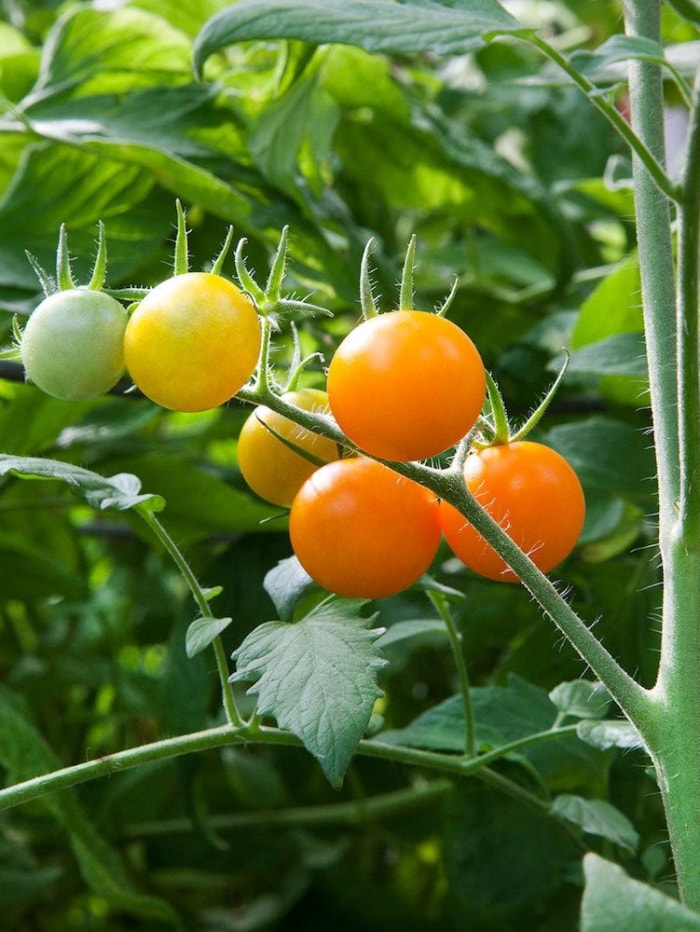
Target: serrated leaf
x=581 y=699
x=614 y=901
x=597 y=817
x=317 y=678
x=121 y=491
x=610 y=734
x=202 y=632
x=376 y=25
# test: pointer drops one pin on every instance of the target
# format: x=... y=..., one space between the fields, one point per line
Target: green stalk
x=222 y=736
x=233 y=717
x=677 y=690
x=443 y=609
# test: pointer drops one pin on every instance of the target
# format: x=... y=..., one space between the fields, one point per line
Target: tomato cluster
x=402 y=386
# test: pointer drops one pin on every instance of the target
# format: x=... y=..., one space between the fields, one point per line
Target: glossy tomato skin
x=533 y=493
x=406 y=385
x=73 y=344
x=192 y=342
x=362 y=531
x=273 y=470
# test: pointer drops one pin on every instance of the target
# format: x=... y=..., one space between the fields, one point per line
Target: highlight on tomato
x=267 y=448
x=72 y=346
x=533 y=493
x=192 y=342
x=406 y=385
x=362 y=531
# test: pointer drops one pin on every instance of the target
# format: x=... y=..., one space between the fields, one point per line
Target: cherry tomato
x=273 y=470
x=73 y=344
x=535 y=496
x=406 y=385
x=192 y=342
x=362 y=531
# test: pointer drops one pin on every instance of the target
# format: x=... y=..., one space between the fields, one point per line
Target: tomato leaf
x=202 y=632
x=285 y=584
x=586 y=699
x=611 y=733
x=597 y=817
x=317 y=678
x=121 y=492
x=612 y=901
x=376 y=25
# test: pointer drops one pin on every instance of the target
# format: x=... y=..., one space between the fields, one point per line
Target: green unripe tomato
x=73 y=344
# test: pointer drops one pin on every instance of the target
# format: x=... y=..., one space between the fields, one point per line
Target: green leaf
x=285 y=584
x=120 y=492
x=499 y=857
x=615 y=50
x=610 y=734
x=597 y=817
x=317 y=678
x=581 y=699
x=377 y=25
x=609 y=456
x=503 y=715
x=414 y=627
x=202 y=632
x=613 y=901
x=622 y=354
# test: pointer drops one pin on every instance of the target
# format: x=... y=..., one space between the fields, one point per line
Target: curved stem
x=636 y=143
x=455 y=638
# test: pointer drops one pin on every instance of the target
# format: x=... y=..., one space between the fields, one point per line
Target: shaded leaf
x=613 y=901
x=285 y=584
x=622 y=354
x=581 y=699
x=597 y=817
x=121 y=491
x=202 y=632
x=610 y=734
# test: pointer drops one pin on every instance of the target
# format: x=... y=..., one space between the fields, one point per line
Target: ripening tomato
x=533 y=493
x=362 y=531
x=192 y=342
x=73 y=344
x=273 y=470
x=406 y=385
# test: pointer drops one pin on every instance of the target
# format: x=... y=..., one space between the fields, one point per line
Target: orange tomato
x=533 y=493
x=406 y=385
x=362 y=531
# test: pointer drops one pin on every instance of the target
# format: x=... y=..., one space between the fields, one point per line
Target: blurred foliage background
x=511 y=182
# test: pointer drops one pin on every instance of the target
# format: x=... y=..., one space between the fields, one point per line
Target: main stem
x=671 y=325
x=678 y=686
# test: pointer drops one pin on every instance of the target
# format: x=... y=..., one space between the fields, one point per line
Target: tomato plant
x=406 y=385
x=533 y=493
x=270 y=465
x=361 y=531
x=73 y=344
x=192 y=342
